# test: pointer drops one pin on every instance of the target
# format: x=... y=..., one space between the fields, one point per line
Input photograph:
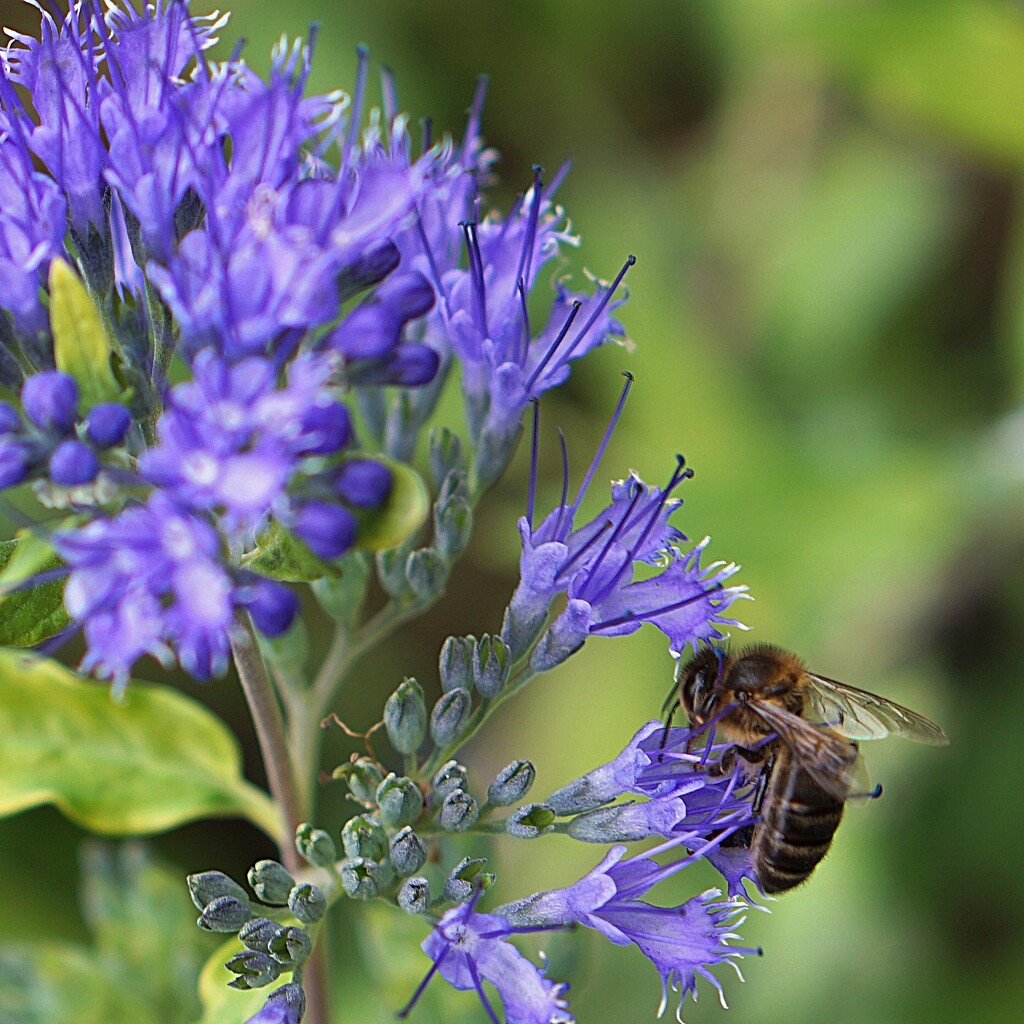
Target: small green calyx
x=315 y=845
x=271 y=882
x=307 y=902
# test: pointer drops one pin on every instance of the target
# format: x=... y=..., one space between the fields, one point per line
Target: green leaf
x=80 y=344
x=401 y=515
x=281 y=555
x=34 y=614
x=150 y=763
x=223 y=1005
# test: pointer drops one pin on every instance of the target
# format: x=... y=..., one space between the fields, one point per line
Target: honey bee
x=802 y=730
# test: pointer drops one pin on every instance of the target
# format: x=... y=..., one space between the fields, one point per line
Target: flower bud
x=467 y=877
x=224 y=914
x=391 y=571
x=426 y=573
x=372 y=265
x=254 y=970
x=511 y=784
x=10 y=421
x=50 y=400
x=290 y=946
x=364 y=836
x=491 y=665
x=414 y=896
x=405 y=717
x=459 y=811
x=400 y=801
x=73 y=463
x=530 y=821
x=451 y=775
x=361 y=879
x=273 y=608
x=450 y=716
x=401 y=427
x=271 y=882
x=255 y=934
x=456 y=663
x=307 y=902
x=364 y=483
x=315 y=845
x=15 y=461
x=445 y=454
x=328 y=530
x=107 y=424
x=292 y=998
x=408 y=852
x=207 y=886
x=453 y=525
x=363 y=776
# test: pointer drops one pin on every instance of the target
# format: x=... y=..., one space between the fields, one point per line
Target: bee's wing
x=859 y=715
x=829 y=759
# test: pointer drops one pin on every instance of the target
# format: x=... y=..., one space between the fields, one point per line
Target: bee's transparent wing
x=859 y=715
x=830 y=759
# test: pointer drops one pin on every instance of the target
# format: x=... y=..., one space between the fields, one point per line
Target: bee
x=801 y=729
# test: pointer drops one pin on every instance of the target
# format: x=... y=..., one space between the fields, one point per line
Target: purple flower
x=152 y=580
x=468 y=949
x=285 y=1005
x=682 y=942
x=594 y=565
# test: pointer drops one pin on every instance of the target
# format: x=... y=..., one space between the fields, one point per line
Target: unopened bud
x=224 y=914
x=426 y=573
x=399 y=800
x=315 y=845
x=307 y=902
x=459 y=811
x=445 y=454
x=254 y=970
x=408 y=852
x=391 y=571
x=456 y=663
x=414 y=896
x=405 y=717
x=453 y=526
x=364 y=836
x=292 y=997
x=466 y=878
x=290 y=946
x=361 y=879
x=491 y=665
x=255 y=934
x=451 y=775
x=530 y=822
x=450 y=716
x=207 y=886
x=511 y=784
x=271 y=882
x=363 y=777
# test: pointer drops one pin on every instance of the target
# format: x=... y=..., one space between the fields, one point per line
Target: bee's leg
x=761 y=786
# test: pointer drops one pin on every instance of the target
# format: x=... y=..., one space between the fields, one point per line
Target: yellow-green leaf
x=33 y=614
x=223 y=1005
x=80 y=344
x=281 y=555
x=401 y=515
x=154 y=761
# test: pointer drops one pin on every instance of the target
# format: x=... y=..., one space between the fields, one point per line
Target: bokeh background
x=828 y=311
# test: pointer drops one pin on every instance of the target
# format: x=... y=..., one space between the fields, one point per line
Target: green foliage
x=80 y=344
x=34 y=614
x=154 y=761
x=280 y=555
x=223 y=1005
x=142 y=965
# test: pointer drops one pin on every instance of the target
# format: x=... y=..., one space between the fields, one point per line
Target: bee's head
x=700 y=684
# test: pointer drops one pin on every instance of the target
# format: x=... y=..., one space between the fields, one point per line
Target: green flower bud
x=363 y=777
x=530 y=821
x=426 y=573
x=271 y=882
x=254 y=970
x=492 y=665
x=315 y=845
x=414 y=896
x=450 y=716
x=458 y=812
x=307 y=902
x=364 y=836
x=361 y=879
x=255 y=934
x=465 y=879
x=453 y=526
x=445 y=454
x=408 y=852
x=511 y=784
x=224 y=914
x=207 y=886
x=456 y=663
x=451 y=775
x=405 y=716
x=399 y=800
x=391 y=571
x=290 y=946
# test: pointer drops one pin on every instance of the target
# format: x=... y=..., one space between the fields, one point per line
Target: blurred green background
x=828 y=310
